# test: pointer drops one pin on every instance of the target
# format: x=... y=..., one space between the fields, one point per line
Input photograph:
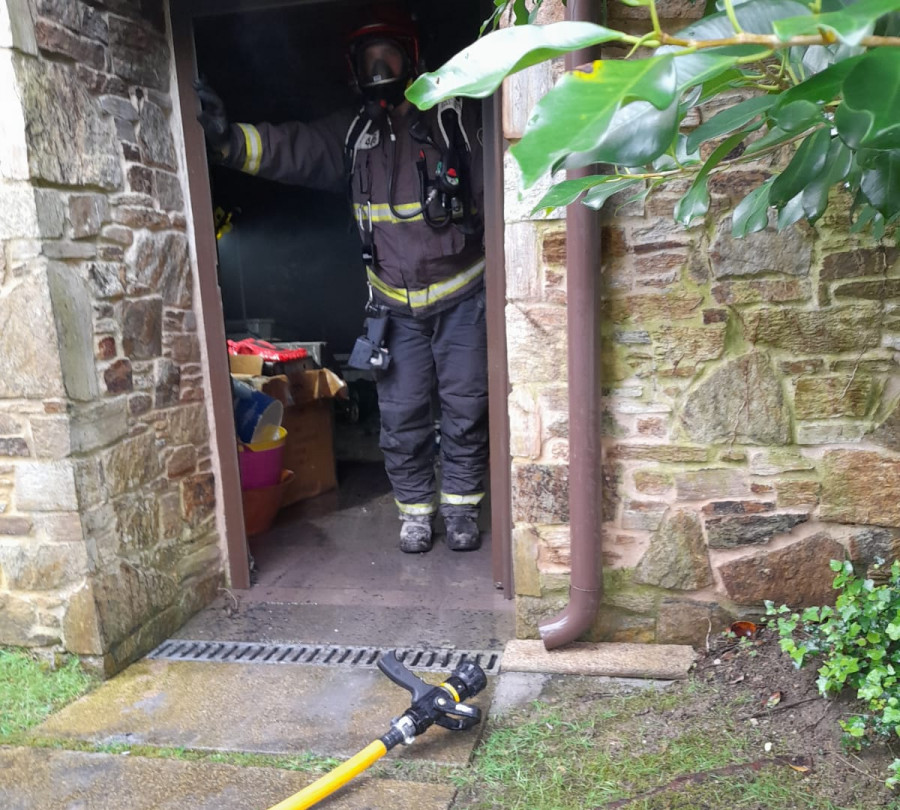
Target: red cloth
x=267 y=351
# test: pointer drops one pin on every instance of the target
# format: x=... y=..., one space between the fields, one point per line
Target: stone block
x=168 y=192
x=797 y=575
x=138 y=55
x=137 y=521
x=833 y=432
x=80 y=627
x=155 y=137
x=642 y=515
x=788 y=252
x=14 y=526
x=775 y=460
x=185 y=425
x=834 y=396
x=676 y=558
x=202 y=560
x=858 y=262
x=649 y=481
x=18 y=214
x=701 y=485
x=118 y=377
x=85 y=155
x=666 y=307
x=59 y=527
x=19 y=622
x=14 y=446
x=523 y=280
x=74 y=330
x=740 y=401
x=521 y=92
x=524 y=424
x=852 y=328
x=762 y=291
x=167 y=384
x=537 y=343
x=45 y=486
x=685 y=621
x=183 y=460
x=142 y=329
x=42 y=566
x=680 y=350
x=797 y=492
x=748 y=530
x=131 y=464
x=554 y=550
x=540 y=493
x=663 y=453
x=873 y=545
x=57 y=41
x=519 y=202
x=860 y=486
x=198 y=497
x=99 y=424
x=525 y=548
x=161 y=264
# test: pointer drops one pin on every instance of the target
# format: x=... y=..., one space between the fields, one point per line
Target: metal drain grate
x=321 y=655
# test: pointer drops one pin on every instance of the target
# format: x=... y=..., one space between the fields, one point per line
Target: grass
x=30 y=690
x=624 y=751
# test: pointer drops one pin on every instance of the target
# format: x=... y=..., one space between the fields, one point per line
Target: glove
x=213 y=119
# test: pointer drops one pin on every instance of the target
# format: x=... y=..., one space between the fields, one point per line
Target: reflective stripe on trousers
x=447 y=354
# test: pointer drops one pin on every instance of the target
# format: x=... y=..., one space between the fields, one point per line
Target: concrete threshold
x=653 y=661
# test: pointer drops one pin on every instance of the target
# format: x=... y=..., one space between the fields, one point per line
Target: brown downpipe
x=583 y=317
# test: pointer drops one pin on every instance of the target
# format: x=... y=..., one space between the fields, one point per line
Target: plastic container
x=254 y=412
x=261 y=505
x=260 y=462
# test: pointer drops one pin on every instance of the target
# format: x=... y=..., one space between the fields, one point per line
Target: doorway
x=289 y=270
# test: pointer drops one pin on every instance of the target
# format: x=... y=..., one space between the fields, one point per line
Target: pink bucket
x=261 y=462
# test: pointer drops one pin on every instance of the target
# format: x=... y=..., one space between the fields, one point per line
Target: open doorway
x=289 y=271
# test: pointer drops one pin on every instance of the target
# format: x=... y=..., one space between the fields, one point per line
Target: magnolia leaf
x=850 y=24
x=695 y=203
x=729 y=120
x=574 y=116
x=598 y=195
x=790 y=213
x=567 y=191
x=797 y=116
x=752 y=213
x=774 y=137
x=838 y=164
x=478 y=70
x=637 y=135
x=881 y=183
x=867 y=117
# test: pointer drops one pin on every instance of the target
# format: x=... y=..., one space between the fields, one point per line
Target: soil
x=783 y=703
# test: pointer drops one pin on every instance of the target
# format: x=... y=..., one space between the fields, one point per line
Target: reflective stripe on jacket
x=419 y=270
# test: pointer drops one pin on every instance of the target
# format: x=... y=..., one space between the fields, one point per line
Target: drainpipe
x=583 y=322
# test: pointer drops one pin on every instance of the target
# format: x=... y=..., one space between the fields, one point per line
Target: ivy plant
x=858 y=644
x=817 y=81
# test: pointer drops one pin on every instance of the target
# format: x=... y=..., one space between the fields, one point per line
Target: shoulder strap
x=452 y=108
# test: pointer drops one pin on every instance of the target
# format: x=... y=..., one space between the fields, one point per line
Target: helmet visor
x=381 y=61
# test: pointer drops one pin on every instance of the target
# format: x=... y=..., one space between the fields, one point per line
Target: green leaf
x=478 y=70
x=881 y=184
x=798 y=115
x=729 y=119
x=837 y=166
x=598 y=195
x=695 y=203
x=790 y=212
x=850 y=24
x=567 y=191
x=752 y=213
x=867 y=117
x=820 y=88
x=574 y=115
x=637 y=135
x=893 y=631
x=806 y=165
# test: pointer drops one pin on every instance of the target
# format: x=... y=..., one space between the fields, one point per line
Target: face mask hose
x=441 y=705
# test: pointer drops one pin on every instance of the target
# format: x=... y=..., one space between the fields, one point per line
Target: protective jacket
x=412 y=267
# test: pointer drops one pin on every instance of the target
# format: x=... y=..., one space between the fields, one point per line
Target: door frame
x=212 y=322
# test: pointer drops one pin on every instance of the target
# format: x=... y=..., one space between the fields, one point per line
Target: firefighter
x=416 y=190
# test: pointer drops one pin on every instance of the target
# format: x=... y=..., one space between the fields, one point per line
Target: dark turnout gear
x=451 y=348
x=415 y=186
x=213 y=120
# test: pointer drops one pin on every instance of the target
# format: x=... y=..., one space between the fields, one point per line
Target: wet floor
x=330 y=572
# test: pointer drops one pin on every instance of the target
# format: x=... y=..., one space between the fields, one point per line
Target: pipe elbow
x=573 y=621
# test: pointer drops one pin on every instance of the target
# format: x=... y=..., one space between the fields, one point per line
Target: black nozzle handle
x=400 y=675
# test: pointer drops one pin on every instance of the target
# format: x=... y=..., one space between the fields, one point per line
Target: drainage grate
x=321 y=655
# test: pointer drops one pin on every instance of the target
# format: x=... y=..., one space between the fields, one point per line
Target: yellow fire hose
x=442 y=705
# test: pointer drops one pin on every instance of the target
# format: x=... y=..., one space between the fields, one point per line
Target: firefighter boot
x=461 y=523
x=415 y=534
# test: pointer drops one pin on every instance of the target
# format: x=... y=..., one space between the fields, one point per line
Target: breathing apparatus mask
x=383 y=73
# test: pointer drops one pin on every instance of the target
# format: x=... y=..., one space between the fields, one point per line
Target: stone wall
x=107 y=526
x=751 y=423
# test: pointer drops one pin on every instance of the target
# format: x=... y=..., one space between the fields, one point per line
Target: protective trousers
x=445 y=353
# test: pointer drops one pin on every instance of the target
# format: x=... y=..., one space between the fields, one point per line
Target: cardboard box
x=309 y=450
x=308 y=400
x=245 y=364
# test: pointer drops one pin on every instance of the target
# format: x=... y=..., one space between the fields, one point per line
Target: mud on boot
x=461 y=524
x=415 y=534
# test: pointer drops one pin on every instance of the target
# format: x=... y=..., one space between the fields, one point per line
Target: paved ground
x=274 y=710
